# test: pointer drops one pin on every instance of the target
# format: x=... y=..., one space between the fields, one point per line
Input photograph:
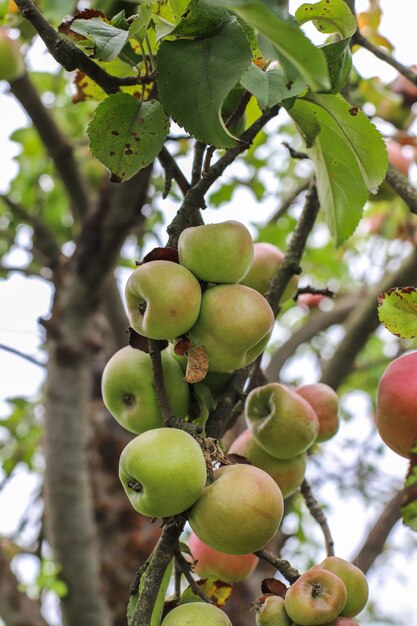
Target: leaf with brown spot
x=197 y=365
x=274 y=586
x=161 y=254
x=87 y=14
x=217 y=590
x=397 y=311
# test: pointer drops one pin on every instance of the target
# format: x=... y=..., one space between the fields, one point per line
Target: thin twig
x=402 y=187
x=284 y=567
x=289 y=200
x=317 y=513
x=185 y=568
x=22 y=355
x=199 y=149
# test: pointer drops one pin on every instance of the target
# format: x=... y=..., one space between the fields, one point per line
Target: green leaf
x=341 y=189
x=290 y=41
x=4 y=8
x=108 y=39
x=162 y=27
x=53 y=10
x=397 y=311
x=178 y=7
x=126 y=135
x=270 y=87
x=328 y=16
x=339 y=60
x=140 y=25
x=201 y=20
x=195 y=76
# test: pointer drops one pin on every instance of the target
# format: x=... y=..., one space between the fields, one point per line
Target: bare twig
x=185 y=568
x=317 y=513
x=289 y=200
x=22 y=355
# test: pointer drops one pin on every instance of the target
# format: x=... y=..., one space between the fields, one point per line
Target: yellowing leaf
x=397 y=311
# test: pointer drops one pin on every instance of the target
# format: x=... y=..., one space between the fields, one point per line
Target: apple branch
x=402 y=187
x=317 y=513
x=185 y=568
x=283 y=566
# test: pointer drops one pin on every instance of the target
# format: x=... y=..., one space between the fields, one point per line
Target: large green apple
x=196 y=614
x=11 y=61
x=267 y=258
x=234 y=325
x=272 y=612
x=216 y=253
x=316 y=598
x=325 y=402
x=209 y=562
x=281 y=421
x=239 y=512
x=287 y=473
x=163 y=299
x=355 y=583
x=163 y=472
x=129 y=394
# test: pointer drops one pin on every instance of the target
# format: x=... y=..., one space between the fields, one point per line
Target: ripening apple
x=163 y=472
x=343 y=621
x=239 y=512
x=163 y=299
x=267 y=259
x=405 y=88
x=229 y=568
x=287 y=473
x=396 y=404
x=11 y=61
x=196 y=613
x=234 y=325
x=281 y=421
x=216 y=253
x=272 y=612
x=325 y=402
x=129 y=394
x=316 y=598
x=310 y=300
x=397 y=158
x=355 y=583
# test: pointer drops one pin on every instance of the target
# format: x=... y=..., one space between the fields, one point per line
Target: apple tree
x=222 y=208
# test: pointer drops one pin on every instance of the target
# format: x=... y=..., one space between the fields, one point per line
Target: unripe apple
x=325 y=402
x=196 y=614
x=281 y=421
x=216 y=253
x=287 y=473
x=396 y=404
x=267 y=259
x=128 y=390
x=163 y=472
x=316 y=598
x=229 y=568
x=163 y=299
x=234 y=325
x=354 y=580
x=272 y=612
x=239 y=512
x=11 y=61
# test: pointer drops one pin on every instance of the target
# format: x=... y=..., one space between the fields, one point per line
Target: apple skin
x=396 y=414
x=163 y=299
x=234 y=325
x=11 y=61
x=129 y=394
x=169 y=468
x=266 y=260
x=216 y=253
x=355 y=582
x=239 y=512
x=287 y=473
x=316 y=598
x=281 y=421
x=272 y=612
x=229 y=568
x=325 y=402
x=196 y=613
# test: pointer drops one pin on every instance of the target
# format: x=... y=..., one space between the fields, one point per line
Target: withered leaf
x=274 y=586
x=139 y=342
x=197 y=365
x=161 y=254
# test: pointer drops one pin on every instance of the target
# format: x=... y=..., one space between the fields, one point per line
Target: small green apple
x=216 y=253
x=239 y=512
x=281 y=421
x=325 y=402
x=129 y=394
x=287 y=473
x=11 y=61
x=272 y=612
x=267 y=258
x=316 y=598
x=355 y=583
x=196 y=614
x=229 y=568
x=163 y=299
x=234 y=325
x=163 y=472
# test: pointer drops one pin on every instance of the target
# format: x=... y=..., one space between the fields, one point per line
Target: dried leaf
x=274 y=586
x=235 y=458
x=161 y=254
x=140 y=342
x=182 y=345
x=197 y=365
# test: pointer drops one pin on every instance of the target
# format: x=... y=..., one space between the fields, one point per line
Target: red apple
x=397 y=158
x=226 y=567
x=325 y=402
x=267 y=259
x=310 y=300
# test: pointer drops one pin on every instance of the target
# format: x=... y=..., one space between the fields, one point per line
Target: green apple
x=163 y=299
x=272 y=612
x=239 y=512
x=287 y=473
x=216 y=253
x=325 y=402
x=196 y=614
x=234 y=325
x=11 y=61
x=343 y=621
x=267 y=258
x=163 y=472
x=281 y=421
x=129 y=394
x=355 y=583
x=229 y=568
x=317 y=597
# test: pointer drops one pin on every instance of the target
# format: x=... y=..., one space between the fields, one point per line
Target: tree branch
x=317 y=513
x=284 y=567
x=402 y=187
x=22 y=355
